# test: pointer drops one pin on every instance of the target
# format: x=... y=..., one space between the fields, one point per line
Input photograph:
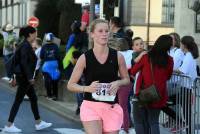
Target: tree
x=68 y=13
x=56 y=16
x=48 y=15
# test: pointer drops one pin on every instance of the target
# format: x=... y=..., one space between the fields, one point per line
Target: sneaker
x=49 y=98
x=26 y=97
x=122 y=132
x=12 y=129
x=42 y=125
x=5 y=78
x=131 y=131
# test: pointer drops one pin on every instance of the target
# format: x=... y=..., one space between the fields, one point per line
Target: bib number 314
x=102 y=93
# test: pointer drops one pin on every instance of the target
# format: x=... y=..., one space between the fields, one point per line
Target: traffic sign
x=33 y=21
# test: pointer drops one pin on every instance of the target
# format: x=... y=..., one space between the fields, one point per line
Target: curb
x=61 y=108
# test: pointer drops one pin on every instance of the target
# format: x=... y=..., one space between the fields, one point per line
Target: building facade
x=149 y=18
x=187 y=21
x=16 y=12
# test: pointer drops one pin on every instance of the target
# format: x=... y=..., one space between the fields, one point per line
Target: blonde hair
x=92 y=28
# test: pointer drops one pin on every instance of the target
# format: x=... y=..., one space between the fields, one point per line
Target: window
x=197 y=22
x=168 y=11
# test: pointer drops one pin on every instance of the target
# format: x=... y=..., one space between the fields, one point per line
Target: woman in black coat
x=24 y=77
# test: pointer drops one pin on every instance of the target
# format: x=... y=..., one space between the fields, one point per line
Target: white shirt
x=178 y=56
x=128 y=57
x=37 y=53
x=188 y=68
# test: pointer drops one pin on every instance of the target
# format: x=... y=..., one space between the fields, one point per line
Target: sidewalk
x=65 y=109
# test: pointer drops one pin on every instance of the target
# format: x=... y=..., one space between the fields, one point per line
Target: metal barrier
x=196 y=120
x=182 y=113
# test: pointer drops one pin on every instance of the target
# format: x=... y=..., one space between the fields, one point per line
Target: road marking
x=69 y=131
x=78 y=131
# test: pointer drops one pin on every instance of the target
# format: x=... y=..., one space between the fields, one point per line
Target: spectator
x=146 y=118
x=177 y=54
x=117 y=38
x=37 y=45
x=10 y=41
x=78 y=40
x=49 y=55
x=124 y=92
x=85 y=18
x=75 y=27
x=129 y=36
x=116 y=27
x=24 y=78
x=175 y=51
x=137 y=47
x=190 y=48
x=138 y=52
x=99 y=111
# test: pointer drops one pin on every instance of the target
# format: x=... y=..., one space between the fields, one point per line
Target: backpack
x=10 y=41
x=118 y=43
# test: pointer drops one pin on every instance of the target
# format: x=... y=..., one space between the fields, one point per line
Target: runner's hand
x=113 y=88
x=93 y=87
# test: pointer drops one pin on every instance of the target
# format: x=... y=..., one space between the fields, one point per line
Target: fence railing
x=182 y=113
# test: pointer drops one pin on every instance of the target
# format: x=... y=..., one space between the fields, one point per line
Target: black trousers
x=51 y=86
x=24 y=88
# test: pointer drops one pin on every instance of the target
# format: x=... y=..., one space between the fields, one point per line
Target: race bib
x=102 y=93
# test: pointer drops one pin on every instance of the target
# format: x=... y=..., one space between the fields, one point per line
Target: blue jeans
x=6 y=58
x=146 y=120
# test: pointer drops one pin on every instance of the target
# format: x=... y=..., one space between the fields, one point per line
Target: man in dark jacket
x=117 y=39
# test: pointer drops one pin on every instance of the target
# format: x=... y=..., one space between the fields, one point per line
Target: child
x=138 y=48
x=138 y=52
x=50 y=57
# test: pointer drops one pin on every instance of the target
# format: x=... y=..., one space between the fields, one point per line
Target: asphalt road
x=25 y=120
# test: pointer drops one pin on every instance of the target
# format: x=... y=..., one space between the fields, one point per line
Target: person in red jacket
x=146 y=118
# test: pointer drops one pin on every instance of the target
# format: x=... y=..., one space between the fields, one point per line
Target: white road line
x=69 y=131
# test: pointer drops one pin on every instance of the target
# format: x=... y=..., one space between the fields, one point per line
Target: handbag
x=150 y=94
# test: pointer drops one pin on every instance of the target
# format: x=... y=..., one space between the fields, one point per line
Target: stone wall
x=185 y=20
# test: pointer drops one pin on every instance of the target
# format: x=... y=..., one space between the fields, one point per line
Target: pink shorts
x=111 y=115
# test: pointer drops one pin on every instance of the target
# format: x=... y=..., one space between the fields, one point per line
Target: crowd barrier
x=182 y=113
